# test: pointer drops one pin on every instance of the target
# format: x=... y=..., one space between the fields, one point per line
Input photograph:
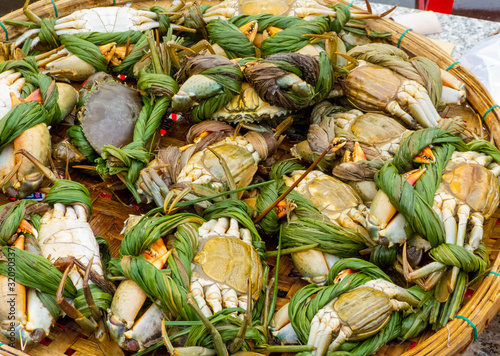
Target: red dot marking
x=469 y=293
x=122 y=76
x=163 y=132
x=105 y=196
x=61 y=326
x=413 y=344
x=174 y=116
x=136 y=207
x=46 y=341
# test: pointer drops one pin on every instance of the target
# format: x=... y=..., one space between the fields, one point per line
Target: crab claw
x=250 y=29
x=343 y=274
x=425 y=156
x=26 y=227
x=34 y=96
x=358 y=154
x=413 y=176
x=382 y=212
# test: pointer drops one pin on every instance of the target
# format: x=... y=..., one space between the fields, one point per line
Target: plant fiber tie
x=470 y=323
x=402 y=35
x=493 y=272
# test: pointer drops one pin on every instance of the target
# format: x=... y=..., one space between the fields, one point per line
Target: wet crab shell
x=376 y=129
x=110 y=112
x=327 y=193
x=231 y=261
x=241 y=162
x=474 y=185
x=365 y=310
x=384 y=85
x=248 y=107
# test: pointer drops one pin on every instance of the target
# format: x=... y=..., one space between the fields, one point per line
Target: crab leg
x=146 y=330
x=476 y=234
x=69 y=309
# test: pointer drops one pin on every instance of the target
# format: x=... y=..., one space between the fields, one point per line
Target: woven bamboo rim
x=454 y=339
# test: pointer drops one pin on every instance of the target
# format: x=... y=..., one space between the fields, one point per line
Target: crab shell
x=377 y=129
x=474 y=185
x=248 y=107
x=327 y=193
x=241 y=162
x=366 y=311
x=384 y=85
x=231 y=261
x=28 y=178
x=110 y=112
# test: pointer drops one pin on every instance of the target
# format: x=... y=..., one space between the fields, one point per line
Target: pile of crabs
x=244 y=138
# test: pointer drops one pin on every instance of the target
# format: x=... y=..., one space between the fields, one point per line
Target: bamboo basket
x=107 y=220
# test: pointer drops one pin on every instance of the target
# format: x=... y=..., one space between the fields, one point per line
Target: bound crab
x=467 y=196
x=200 y=163
x=18 y=176
x=130 y=328
x=97 y=114
x=350 y=316
x=225 y=261
x=97 y=19
x=397 y=90
x=307 y=9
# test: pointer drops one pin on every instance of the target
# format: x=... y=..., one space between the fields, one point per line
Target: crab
x=97 y=19
x=307 y=9
x=467 y=195
x=341 y=204
x=18 y=176
x=32 y=320
x=103 y=108
x=248 y=107
x=335 y=199
x=389 y=93
x=224 y=263
x=357 y=314
x=61 y=63
x=129 y=331
x=173 y=167
x=354 y=315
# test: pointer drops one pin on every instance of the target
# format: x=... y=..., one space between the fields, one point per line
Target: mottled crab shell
x=376 y=129
x=327 y=193
x=240 y=161
x=248 y=107
x=383 y=88
x=365 y=310
x=231 y=261
x=109 y=114
x=474 y=185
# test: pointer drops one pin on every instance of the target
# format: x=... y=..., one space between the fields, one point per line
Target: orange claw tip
x=413 y=176
x=15 y=100
x=425 y=156
x=34 y=96
x=358 y=154
x=343 y=274
x=19 y=243
x=26 y=227
x=202 y=135
x=281 y=209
